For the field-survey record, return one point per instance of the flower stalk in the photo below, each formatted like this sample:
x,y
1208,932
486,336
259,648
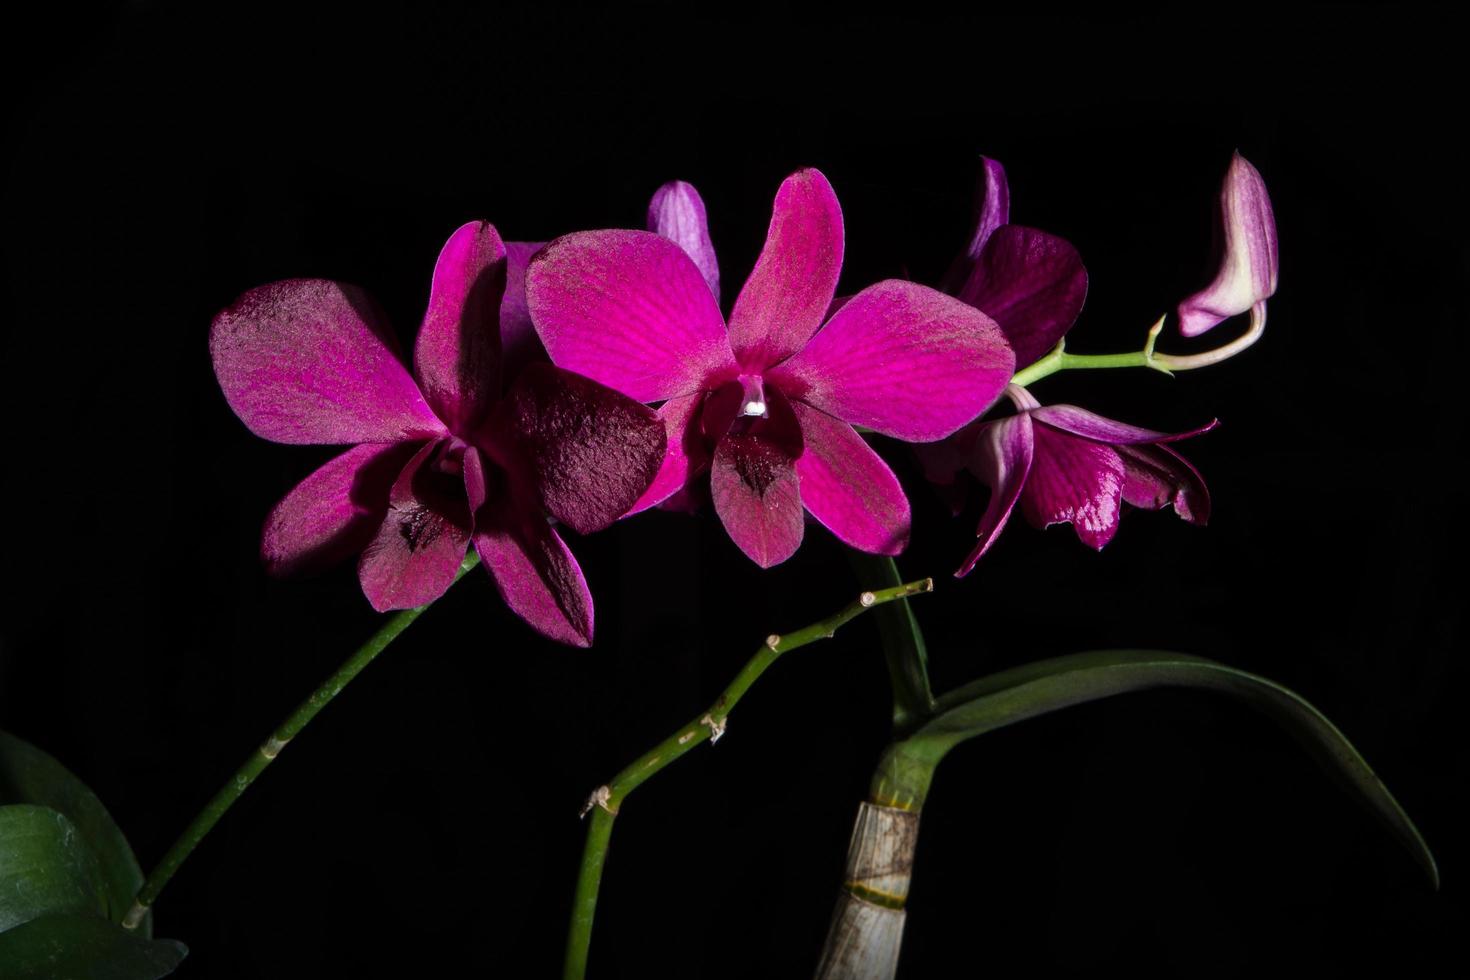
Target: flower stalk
x,y
606,800
263,756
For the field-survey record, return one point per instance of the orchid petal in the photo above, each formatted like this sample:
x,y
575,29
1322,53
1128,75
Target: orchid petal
x,y
677,213
535,572
848,487
1157,475
519,344
628,309
312,361
1089,425
685,453
457,354
786,297
1004,451
590,451
1250,262
992,209
333,513
1032,284
754,484
1074,480
416,553
903,359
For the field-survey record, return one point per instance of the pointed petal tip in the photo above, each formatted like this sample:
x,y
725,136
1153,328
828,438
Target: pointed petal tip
x,y
1250,262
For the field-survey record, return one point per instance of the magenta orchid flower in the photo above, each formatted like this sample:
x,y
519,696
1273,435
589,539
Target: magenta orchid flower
x,y
767,405
1249,260
463,450
1065,464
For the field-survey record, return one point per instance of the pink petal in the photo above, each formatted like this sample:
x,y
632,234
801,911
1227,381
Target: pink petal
x,y
848,487
414,556
589,451
786,297
1074,480
312,361
1089,425
536,574
992,209
685,454
1003,458
1250,262
903,359
1032,284
519,344
754,484
334,512
457,355
677,213
1157,475
629,309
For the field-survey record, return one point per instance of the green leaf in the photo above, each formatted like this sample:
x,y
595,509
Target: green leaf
x,y
1036,689
28,775
902,640
44,866
61,946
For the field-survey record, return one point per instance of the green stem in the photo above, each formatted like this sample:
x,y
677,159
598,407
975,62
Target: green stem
x,y
1060,360
902,642
709,726
263,756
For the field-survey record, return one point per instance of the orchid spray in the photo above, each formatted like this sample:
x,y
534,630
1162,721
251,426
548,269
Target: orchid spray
x,y
576,383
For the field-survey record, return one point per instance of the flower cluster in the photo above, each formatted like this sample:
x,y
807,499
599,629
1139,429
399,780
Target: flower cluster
x,y
596,376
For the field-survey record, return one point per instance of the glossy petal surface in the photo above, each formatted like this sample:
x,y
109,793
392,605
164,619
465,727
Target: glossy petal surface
x,y
1074,480
1032,284
1156,476
846,486
1004,451
309,361
1090,425
677,213
992,209
902,359
628,309
415,554
1249,265
786,297
457,354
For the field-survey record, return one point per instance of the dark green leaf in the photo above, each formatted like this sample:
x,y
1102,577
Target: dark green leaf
x,y
1036,689
44,867
60,946
28,775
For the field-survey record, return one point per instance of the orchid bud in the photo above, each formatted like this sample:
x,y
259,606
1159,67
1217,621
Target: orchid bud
x,y
1248,269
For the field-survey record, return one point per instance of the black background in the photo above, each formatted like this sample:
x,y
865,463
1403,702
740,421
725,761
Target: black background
x,y
160,163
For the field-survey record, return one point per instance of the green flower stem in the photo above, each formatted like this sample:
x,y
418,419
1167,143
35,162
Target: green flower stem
x,y
1060,360
902,642
263,756
605,801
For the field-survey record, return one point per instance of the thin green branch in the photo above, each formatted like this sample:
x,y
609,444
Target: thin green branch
x,y
902,642
709,726
263,756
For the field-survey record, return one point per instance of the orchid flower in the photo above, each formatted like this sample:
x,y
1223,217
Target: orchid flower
x,y
768,404
1066,464
480,444
1249,261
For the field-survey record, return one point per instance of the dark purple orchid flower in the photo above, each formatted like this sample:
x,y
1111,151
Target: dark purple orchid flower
x,y
768,404
1065,464
1249,260
479,444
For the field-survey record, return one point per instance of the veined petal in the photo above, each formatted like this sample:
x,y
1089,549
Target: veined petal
x,y
754,484
903,359
415,554
786,297
1003,456
628,309
1156,475
312,361
457,354
519,344
992,209
1032,284
677,213
848,487
533,569
589,451
685,455
334,512
1089,425
1074,480
1250,262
